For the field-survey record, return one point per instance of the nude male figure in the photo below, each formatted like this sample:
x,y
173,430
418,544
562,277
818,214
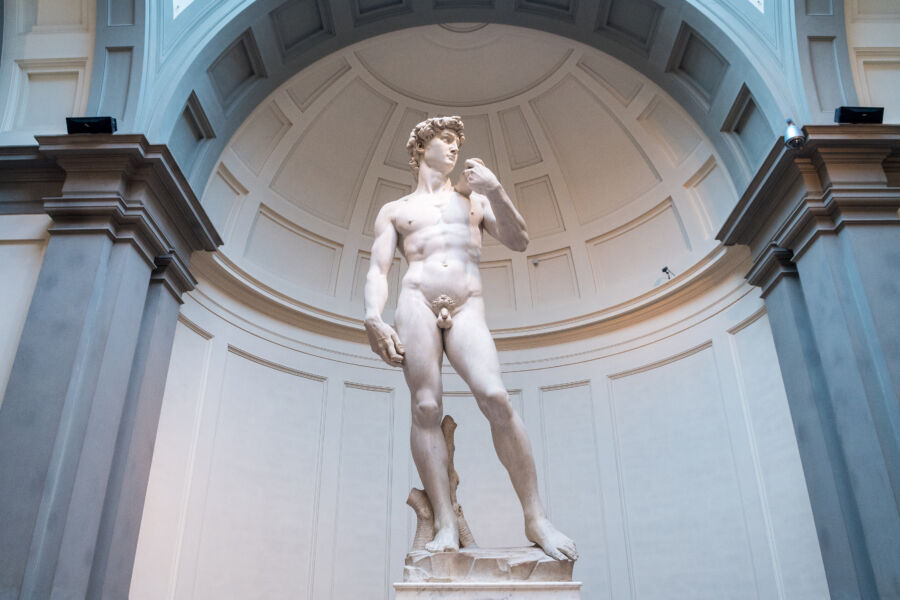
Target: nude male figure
x,y
441,309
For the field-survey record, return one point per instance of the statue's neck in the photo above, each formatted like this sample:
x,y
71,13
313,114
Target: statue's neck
x,y
431,181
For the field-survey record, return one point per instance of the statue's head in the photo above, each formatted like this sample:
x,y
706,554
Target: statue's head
x,y
424,132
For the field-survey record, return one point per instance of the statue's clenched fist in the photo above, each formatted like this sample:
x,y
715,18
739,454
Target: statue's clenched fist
x,y
481,180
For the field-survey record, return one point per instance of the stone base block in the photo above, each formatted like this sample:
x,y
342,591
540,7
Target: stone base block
x,y
505,590
485,565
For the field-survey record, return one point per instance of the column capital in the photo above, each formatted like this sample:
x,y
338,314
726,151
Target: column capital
x,y
843,175
774,263
132,191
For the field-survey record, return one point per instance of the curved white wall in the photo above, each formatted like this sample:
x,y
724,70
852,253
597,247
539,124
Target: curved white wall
x,y
663,444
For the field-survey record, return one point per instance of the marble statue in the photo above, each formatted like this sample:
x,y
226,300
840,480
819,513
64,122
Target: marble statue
x,y
438,229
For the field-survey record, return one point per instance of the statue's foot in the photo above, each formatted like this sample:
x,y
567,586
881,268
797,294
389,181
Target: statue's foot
x,y
554,543
446,540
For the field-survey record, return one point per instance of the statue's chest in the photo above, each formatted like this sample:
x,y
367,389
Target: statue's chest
x,y
420,213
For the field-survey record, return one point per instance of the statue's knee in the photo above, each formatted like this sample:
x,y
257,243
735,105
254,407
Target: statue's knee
x,y
496,407
427,411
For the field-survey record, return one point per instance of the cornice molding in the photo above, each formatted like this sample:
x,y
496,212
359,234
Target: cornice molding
x,y
773,265
128,189
844,175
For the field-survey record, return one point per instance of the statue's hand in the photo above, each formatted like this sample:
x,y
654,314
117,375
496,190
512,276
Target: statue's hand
x,y
481,179
385,342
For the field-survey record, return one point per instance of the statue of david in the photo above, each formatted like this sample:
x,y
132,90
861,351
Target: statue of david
x,y
438,229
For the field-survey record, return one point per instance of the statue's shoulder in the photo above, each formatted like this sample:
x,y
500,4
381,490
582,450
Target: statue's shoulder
x,y
391,207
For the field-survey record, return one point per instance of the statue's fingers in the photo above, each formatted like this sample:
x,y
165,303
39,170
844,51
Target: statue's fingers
x,y
398,345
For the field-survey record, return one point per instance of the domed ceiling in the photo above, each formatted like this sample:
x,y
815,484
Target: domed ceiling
x,y
613,178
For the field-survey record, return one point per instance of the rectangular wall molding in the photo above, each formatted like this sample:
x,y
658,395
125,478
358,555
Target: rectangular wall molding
x,y
116,80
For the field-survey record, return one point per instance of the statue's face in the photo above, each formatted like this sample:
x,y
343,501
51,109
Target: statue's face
x,y
441,151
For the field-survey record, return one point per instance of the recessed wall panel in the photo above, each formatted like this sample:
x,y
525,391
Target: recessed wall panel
x,y
236,69
49,98
712,196
553,279
520,146
573,479
882,84
362,537
259,136
685,525
537,203
625,265
258,530
698,63
633,21
676,135
310,84
116,77
222,198
602,181
620,80
322,172
121,12
299,24
499,286
823,58
292,253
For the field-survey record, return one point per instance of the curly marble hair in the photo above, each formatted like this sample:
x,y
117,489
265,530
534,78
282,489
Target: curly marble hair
x,y
426,130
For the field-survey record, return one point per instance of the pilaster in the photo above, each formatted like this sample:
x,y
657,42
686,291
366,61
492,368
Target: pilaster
x,y
80,412
822,224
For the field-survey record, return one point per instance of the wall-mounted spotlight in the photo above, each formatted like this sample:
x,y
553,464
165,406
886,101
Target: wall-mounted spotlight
x,y
794,136
668,272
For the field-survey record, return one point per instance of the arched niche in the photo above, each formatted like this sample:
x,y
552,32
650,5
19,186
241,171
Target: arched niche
x,y
615,179
193,79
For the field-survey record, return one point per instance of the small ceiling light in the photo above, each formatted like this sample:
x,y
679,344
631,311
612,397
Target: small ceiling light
x,y
794,136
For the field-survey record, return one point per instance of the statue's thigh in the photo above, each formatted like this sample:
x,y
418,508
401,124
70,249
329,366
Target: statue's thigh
x,y
423,346
472,353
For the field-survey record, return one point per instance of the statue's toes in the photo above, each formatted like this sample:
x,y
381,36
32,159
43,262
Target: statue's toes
x,y
570,551
554,553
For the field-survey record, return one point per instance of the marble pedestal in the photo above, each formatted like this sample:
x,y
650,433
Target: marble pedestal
x,y
487,574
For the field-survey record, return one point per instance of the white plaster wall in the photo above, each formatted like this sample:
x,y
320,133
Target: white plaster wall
x,y
873,37
663,445
23,239
46,64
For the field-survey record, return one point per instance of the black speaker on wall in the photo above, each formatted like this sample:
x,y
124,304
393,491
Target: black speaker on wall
x,y
859,114
91,124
